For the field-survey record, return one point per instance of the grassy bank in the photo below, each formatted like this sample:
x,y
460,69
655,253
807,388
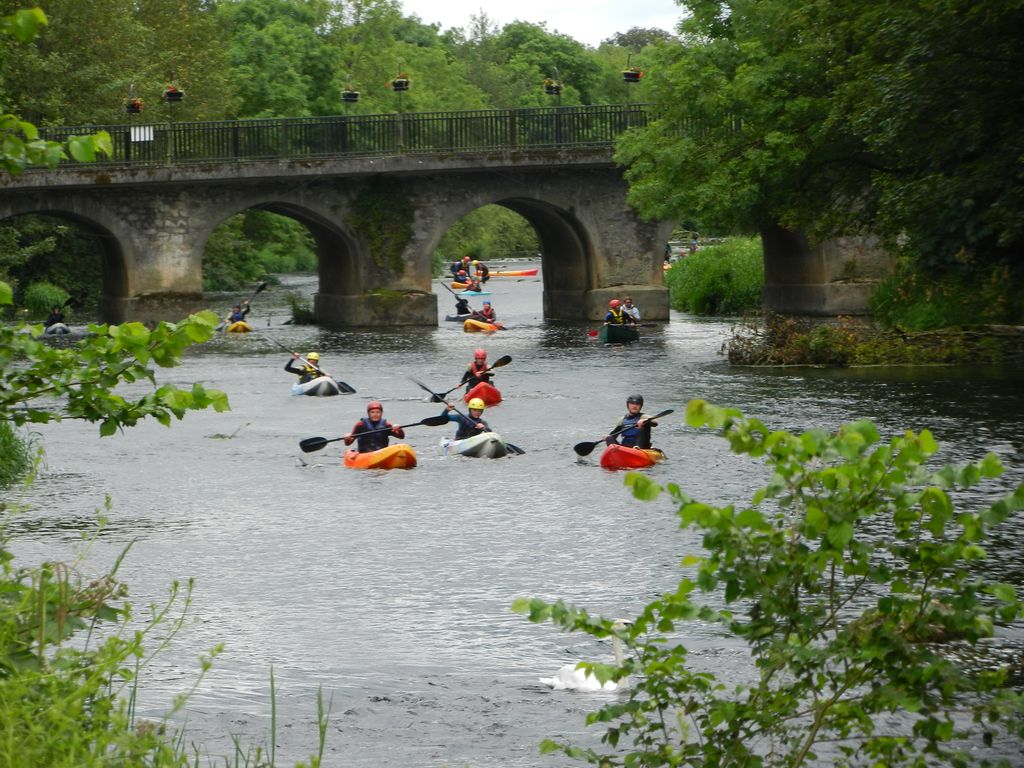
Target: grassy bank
x,y
722,279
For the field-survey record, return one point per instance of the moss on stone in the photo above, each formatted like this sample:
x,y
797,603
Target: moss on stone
x,y
382,214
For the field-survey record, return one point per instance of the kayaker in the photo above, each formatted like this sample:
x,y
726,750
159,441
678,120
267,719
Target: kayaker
x,y
631,309
372,431
635,426
454,268
309,370
486,313
468,283
477,370
470,425
238,313
616,315
55,322
483,272
462,306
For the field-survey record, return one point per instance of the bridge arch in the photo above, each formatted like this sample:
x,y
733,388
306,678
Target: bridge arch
x,y
108,235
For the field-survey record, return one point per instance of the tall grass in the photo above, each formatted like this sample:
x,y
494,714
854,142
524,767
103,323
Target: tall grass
x,y
725,279
15,459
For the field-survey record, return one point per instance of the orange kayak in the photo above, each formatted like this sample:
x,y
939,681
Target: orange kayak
x,y
397,456
617,456
514,273
486,392
479,326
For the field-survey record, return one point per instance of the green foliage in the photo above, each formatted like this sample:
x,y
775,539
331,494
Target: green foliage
x,y
845,577
808,115
252,244
724,279
14,456
920,299
490,233
301,309
41,297
40,383
383,215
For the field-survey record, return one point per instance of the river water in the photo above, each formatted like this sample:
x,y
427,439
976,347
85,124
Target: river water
x,y
391,591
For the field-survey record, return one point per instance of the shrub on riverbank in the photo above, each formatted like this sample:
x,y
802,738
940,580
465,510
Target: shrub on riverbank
x,y
850,341
725,279
14,456
845,580
919,301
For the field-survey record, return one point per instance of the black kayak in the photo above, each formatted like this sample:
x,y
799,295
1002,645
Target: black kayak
x,y
458,318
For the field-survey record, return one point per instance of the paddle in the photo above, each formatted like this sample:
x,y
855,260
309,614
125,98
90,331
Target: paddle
x,y
512,448
345,388
587,448
259,289
311,444
439,398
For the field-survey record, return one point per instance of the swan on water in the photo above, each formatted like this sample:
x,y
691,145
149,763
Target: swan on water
x,y
570,677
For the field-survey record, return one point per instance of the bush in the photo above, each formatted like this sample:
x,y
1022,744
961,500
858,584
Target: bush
x,y
846,578
40,298
921,301
726,279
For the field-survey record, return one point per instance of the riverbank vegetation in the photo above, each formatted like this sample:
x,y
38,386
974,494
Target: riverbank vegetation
x,y
850,581
725,278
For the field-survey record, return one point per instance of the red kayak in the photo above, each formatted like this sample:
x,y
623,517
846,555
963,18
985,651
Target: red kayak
x,y
490,395
617,456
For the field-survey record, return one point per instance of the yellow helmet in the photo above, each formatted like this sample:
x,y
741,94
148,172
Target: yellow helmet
x,y
477,403
475,262
313,356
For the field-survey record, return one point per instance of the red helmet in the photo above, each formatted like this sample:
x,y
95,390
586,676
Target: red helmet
x,y
613,303
375,404
479,353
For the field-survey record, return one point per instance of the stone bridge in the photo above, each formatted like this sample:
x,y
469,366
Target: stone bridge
x,y
375,221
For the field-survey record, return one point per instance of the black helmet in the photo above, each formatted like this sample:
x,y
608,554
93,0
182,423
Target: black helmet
x,y
638,399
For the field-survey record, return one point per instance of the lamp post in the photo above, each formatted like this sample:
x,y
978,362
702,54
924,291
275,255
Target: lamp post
x,y
132,106
172,95
630,75
400,84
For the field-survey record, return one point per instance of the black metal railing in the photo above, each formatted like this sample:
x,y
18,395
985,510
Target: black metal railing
x,y
362,135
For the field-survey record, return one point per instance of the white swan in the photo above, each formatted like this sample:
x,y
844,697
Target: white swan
x,y
571,677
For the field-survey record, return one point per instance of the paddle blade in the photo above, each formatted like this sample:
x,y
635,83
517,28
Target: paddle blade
x,y
514,449
311,444
585,449
262,287
345,388
592,332
435,421
434,397
503,360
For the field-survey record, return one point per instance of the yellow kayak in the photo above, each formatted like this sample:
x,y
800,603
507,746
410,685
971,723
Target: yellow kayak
x,y
240,327
397,456
479,326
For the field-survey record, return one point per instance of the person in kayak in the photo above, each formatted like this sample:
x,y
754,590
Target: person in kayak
x,y
462,306
468,283
483,272
631,309
477,370
470,425
616,315
485,314
55,322
309,371
635,426
238,313
364,434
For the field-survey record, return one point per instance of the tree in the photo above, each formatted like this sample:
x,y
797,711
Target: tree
x,y
846,578
637,38
841,117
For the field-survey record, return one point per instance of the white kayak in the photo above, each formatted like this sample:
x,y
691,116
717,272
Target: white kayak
x,y
322,386
488,445
57,329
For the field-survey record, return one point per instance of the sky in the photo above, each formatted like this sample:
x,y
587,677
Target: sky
x,y
589,22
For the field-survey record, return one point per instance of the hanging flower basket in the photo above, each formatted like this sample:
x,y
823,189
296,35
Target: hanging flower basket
x,y
552,87
632,75
400,83
350,97
133,106
173,94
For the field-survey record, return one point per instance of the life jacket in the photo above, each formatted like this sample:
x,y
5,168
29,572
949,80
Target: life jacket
x,y
617,316
467,427
487,313
308,374
236,317
477,371
375,441
633,436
